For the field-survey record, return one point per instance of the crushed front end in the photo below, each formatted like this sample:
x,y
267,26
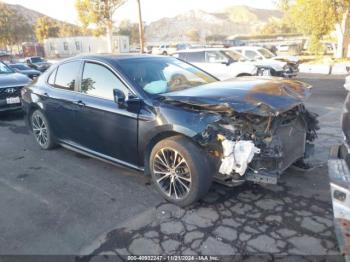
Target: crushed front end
x,y
259,148
261,126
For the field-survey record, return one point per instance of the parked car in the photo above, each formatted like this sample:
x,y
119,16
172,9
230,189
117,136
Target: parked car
x,y
171,120
339,178
218,63
259,53
164,49
265,67
24,69
11,84
37,63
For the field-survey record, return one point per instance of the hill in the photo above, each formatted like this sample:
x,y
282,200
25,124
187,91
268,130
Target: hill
x,y
233,20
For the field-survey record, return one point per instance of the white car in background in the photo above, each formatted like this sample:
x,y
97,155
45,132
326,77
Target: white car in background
x,y
257,53
217,62
164,49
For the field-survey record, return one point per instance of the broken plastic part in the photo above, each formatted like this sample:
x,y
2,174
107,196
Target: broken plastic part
x,y
237,156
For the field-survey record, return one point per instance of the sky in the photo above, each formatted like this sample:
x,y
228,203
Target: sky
x,y
152,10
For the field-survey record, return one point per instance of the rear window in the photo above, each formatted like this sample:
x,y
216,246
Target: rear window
x,y
66,75
193,57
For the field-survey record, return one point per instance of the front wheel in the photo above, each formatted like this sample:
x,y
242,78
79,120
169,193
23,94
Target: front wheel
x,y
180,170
41,130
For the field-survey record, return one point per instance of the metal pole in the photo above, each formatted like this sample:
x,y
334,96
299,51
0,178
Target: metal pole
x,y
140,28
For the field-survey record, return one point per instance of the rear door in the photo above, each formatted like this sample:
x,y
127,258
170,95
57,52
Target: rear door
x,y
104,127
60,101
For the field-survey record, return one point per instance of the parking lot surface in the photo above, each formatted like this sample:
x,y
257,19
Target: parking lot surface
x,y
60,202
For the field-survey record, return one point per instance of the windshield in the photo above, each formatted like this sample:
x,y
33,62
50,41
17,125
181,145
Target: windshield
x,y
163,75
266,53
37,59
235,56
20,67
4,69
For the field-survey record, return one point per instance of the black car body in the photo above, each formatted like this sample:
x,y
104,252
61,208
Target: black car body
x,y
159,111
37,63
11,84
26,70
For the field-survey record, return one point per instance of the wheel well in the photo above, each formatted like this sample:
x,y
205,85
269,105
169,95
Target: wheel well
x,y
152,143
244,74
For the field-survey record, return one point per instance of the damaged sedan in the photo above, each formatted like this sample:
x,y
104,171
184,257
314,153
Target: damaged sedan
x,y
169,119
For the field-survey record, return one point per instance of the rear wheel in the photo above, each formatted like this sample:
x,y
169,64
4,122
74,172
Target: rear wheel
x,y
41,130
180,170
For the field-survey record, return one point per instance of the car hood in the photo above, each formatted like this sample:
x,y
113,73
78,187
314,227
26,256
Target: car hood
x,y
259,96
15,79
275,64
287,58
30,71
42,64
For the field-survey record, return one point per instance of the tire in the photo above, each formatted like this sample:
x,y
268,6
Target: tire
x,y
194,170
41,130
164,53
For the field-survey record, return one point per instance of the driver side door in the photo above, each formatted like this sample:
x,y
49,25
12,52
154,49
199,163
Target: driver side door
x,y
106,129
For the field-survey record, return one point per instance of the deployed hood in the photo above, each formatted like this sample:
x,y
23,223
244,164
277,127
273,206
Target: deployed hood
x,y
275,64
15,79
259,96
287,58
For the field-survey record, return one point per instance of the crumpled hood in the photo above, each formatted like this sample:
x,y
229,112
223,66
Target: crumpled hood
x,y
275,64
259,96
287,58
15,79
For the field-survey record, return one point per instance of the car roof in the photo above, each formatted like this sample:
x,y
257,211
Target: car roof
x,y
203,49
112,57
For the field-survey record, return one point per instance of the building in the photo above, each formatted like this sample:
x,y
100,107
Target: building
x,y
70,46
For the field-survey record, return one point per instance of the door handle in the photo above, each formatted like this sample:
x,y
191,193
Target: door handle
x,y
79,103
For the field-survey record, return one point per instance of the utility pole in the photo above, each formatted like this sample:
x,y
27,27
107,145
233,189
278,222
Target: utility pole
x,y
140,28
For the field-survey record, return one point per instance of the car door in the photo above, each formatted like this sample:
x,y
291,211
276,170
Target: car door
x,y
105,127
216,63
60,100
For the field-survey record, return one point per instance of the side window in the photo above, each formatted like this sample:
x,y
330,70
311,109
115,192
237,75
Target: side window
x,y
99,81
216,57
195,57
250,54
66,75
182,56
51,79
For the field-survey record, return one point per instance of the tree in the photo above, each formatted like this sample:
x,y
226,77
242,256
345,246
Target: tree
x,y
342,26
193,35
98,13
45,28
277,26
318,18
130,29
314,18
14,29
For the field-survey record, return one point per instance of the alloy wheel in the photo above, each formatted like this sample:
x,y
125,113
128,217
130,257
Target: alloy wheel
x,y
39,129
172,173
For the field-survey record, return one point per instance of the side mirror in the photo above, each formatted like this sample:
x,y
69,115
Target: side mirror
x,y
119,97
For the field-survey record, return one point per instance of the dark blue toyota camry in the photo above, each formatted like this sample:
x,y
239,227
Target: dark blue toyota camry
x,y
171,120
